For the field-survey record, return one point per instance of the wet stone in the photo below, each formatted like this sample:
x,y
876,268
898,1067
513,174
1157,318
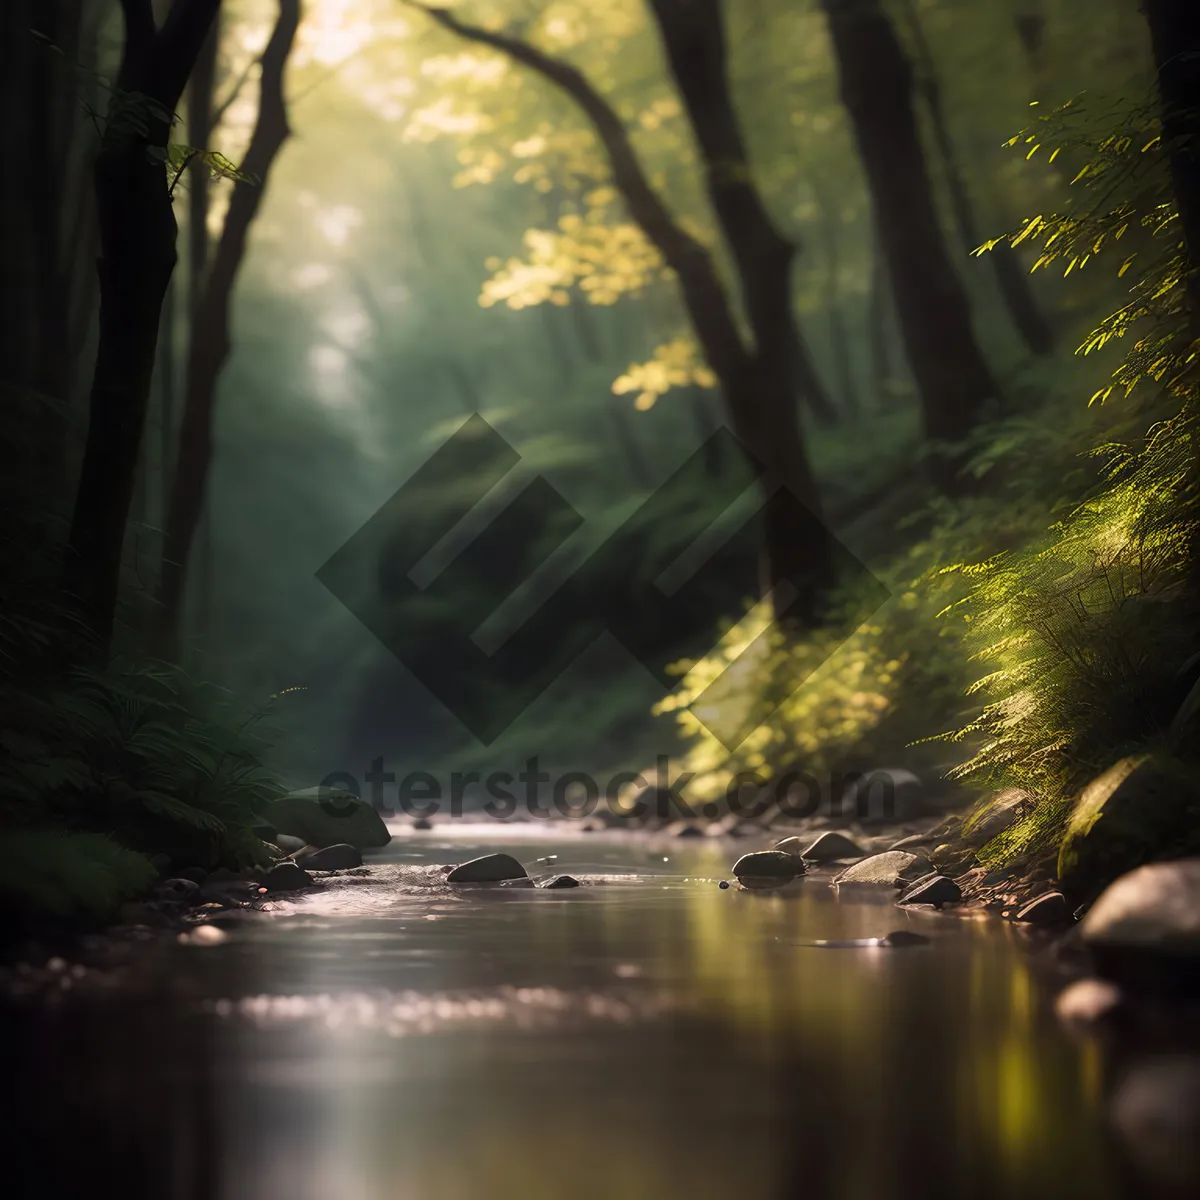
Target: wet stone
x,y
489,868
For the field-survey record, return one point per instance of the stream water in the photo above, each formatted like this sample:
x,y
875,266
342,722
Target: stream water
x,y
649,1035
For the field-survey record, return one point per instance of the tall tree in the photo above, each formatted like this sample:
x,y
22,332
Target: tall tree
x,y
934,311
761,374
211,340
1012,280
137,236
47,222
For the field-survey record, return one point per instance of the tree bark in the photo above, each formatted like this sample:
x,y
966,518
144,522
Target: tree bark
x,y
693,36
211,341
46,227
1175,37
137,233
759,381
879,326
1012,280
877,88
839,339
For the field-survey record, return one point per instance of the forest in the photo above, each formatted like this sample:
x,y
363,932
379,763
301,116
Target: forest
x,y
933,264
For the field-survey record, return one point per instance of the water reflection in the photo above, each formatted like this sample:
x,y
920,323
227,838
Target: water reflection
x,y
647,1036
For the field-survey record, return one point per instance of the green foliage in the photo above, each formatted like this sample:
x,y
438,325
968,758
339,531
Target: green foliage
x,y
70,874
139,751
102,767
1088,632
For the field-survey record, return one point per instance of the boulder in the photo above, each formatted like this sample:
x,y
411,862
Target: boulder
x,y
1145,928
791,845
331,858
831,847
490,868
289,844
422,823
327,817
1087,1002
286,877
931,889
562,881
196,874
1142,808
684,829
768,864
179,889
885,794
1156,1113
1050,908
890,869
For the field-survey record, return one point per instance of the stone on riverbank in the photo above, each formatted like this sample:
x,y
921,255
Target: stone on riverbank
x,y
890,869
331,858
1050,908
185,891
774,865
562,881
1145,928
831,847
1156,1113
1087,1002
286,877
327,817
931,889
490,868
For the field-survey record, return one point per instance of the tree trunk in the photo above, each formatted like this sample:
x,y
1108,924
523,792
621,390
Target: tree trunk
x,y
879,326
1011,278
211,341
46,226
934,311
839,339
200,131
137,234
760,381
1175,37
693,37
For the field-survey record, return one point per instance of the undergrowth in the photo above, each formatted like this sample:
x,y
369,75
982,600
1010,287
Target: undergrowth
x,y
1045,626
107,771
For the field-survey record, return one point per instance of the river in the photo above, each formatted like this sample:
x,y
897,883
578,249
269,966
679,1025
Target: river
x,y
648,1035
